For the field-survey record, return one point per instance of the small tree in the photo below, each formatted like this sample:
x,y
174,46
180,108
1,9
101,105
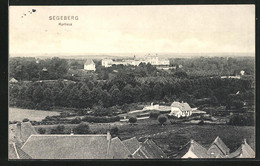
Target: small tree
x,y
82,128
114,131
26,120
154,114
77,120
42,130
58,130
132,120
162,119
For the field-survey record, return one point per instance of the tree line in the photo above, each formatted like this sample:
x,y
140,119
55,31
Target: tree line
x,y
125,88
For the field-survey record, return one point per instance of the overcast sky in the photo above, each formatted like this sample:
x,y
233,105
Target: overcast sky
x,y
132,29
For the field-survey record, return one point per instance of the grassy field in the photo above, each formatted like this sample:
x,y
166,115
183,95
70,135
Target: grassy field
x,y
18,114
171,137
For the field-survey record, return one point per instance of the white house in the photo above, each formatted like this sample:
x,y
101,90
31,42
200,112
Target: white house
x,y
13,80
107,62
180,109
89,65
242,72
152,107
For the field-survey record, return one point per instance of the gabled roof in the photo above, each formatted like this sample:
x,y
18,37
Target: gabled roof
x,y
20,132
89,62
118,150
132,144
181,106
149,150
12,152
195,148
74,147
219,156
244,151
21,153
66,146
221,145
13,80
15,152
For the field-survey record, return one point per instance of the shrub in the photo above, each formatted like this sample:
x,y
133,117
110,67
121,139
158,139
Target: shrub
x,y
114,131
64,114
77,120
97,119
154,114
58,130
162,119
26,120
82,128
132,120
42,130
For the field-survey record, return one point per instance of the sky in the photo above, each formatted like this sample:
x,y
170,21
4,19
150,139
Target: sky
x,y
132,29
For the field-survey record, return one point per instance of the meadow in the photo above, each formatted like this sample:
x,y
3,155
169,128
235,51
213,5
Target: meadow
x,y
18,114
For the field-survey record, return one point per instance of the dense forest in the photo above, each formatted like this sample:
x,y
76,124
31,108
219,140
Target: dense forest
x,y
118,85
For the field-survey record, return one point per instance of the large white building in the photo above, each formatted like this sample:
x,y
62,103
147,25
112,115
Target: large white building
x,y
180,109
89,65
152,59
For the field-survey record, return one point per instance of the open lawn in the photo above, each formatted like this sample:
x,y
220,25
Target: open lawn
x,y
18,114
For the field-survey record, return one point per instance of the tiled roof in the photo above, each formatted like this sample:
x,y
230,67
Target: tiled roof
x,y
244,151
221,145
12,152
66,146
74,147
132,144
21,153
20,133
219,156
118,150
15,152
149,150
181,106
89,62
195,148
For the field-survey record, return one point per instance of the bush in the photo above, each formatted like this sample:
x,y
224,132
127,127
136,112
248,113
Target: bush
x,y
77,120
132,120
41,130
64,114
97,119
58,130
162,119
82,128
154,114
114,131
26,120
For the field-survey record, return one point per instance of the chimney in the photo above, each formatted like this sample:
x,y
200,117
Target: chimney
x,y
71,132
19,131
108,141
244,141
108,135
